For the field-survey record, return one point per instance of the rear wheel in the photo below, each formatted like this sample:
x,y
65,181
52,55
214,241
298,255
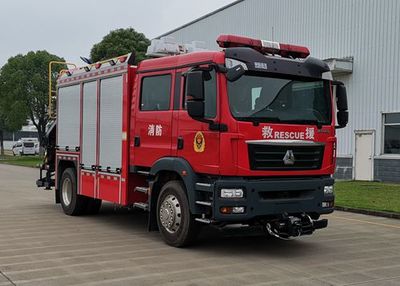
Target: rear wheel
x,y
71,202
175,222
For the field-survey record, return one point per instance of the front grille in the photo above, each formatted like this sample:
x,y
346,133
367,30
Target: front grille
x,y
271,157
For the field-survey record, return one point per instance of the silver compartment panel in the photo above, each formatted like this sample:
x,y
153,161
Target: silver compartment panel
x,y
68,117
111,123
89,118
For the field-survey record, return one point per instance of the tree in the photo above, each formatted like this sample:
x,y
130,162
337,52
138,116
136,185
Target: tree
x,y
13,114
120,42
24,79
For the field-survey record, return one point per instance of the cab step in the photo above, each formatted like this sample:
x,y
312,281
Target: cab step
x,y
144,190
204,203
143,206
203,220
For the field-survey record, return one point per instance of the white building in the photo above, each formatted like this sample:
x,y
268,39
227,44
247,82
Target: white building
x,y
360,39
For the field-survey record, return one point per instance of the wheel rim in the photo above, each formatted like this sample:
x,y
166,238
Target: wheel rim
x,y
170,214
66,191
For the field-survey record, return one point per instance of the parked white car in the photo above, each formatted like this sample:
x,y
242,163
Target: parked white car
x,y
24,148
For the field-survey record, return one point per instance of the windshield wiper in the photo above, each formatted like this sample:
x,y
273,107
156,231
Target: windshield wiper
x,y
306,121
256,120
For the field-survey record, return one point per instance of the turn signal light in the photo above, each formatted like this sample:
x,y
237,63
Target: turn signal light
x,y
225,210
232,210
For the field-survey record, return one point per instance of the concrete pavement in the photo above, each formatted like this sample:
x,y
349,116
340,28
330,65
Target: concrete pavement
x,y
39,245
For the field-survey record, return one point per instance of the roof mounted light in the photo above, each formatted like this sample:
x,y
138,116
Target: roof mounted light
x,y
265,47
167,46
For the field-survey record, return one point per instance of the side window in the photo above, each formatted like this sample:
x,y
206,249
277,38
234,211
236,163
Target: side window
x,y
210,95
155,93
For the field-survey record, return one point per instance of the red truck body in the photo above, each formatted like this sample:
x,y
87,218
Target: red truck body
x,y
127,149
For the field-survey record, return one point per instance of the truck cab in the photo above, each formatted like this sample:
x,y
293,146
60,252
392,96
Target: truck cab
x,y
252,127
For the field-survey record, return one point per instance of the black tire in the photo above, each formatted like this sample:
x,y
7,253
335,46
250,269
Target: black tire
x,y
74,204
93,206
188,228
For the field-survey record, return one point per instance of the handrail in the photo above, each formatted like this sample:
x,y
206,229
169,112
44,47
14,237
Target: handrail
x,y
50,107
115,59
61,72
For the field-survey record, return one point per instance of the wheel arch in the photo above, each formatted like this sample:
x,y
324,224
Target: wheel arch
x,y
167,169
62,165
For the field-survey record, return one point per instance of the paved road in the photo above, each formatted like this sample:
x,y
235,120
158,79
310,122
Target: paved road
x,y
41,246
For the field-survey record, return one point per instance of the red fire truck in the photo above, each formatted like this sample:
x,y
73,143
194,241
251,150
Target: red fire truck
x,y
244,135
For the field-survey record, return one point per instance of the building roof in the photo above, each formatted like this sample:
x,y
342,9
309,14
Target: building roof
x,y
201,18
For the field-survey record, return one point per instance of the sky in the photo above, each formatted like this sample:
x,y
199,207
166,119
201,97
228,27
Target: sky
x,y
70,28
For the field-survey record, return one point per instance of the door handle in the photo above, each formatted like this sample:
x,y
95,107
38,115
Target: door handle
x,y
180,143
137,141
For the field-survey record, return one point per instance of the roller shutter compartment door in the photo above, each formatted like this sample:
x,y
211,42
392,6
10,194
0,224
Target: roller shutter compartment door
x,y
111,96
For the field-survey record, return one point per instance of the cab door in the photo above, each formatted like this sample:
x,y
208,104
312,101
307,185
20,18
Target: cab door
x,y
196,143
153,118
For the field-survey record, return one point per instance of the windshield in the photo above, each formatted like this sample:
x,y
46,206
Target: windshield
x,y
268,99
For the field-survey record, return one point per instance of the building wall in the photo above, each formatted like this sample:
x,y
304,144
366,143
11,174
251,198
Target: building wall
x,y
367,30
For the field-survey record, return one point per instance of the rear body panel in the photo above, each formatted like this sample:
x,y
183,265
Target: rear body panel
x,y
100,145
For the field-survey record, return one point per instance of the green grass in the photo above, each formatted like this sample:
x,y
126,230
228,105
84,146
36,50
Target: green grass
x,y
368,196
27,161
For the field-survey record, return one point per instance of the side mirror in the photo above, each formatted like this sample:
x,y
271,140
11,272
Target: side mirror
x,y
342,107
341,97
195,85
195,109
342,118
235,73
195,94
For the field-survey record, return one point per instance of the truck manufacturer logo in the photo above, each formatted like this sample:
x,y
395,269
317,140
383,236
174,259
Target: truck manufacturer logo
x,y
267,132
199,143
289,159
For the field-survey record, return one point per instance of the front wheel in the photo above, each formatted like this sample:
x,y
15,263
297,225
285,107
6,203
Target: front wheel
x,y
71,202
177,225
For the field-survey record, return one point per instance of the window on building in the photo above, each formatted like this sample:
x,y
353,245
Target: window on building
x,y
391,133
155,94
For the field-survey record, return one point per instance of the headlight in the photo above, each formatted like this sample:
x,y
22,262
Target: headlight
x,y
328,190
232,193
